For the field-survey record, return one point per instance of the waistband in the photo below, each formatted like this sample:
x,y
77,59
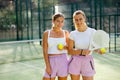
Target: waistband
x,y
81,55
58,55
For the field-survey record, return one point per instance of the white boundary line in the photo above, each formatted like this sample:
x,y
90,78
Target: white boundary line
x,y
26,66
20,41
29,65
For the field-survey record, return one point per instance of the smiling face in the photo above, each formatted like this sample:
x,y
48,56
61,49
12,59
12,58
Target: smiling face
x,y
79,20
58,22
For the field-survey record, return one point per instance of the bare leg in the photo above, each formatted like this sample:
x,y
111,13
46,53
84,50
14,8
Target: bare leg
x,y
44,78
62,78
75,77
87,78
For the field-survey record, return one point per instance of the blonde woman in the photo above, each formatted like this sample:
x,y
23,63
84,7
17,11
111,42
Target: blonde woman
x,y
81,63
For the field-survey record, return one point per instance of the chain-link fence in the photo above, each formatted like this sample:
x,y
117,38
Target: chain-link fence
x,y
28,19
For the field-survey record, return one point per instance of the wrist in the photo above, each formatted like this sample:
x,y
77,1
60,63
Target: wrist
x,y
81,51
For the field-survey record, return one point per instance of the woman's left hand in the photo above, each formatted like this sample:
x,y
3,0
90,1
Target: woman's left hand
x,y
98,51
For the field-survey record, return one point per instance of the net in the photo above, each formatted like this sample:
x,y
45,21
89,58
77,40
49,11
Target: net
x,y
15,51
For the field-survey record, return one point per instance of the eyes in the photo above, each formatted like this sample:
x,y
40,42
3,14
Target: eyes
x,y
79,19
61,21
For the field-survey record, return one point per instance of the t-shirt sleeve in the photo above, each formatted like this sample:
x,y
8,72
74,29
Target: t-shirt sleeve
x,y
94,30
71,36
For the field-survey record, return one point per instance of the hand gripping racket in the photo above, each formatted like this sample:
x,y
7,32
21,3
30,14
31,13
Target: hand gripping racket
x,y
99,39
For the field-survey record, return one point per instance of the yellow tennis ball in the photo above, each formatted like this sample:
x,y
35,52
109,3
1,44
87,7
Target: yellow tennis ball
x,y
103,50
60,46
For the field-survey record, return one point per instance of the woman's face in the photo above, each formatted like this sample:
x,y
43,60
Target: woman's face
x,y
79,21
59,22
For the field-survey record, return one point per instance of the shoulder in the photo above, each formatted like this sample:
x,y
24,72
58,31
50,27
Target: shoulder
x,y
91,29
73,32
66,32
72,35
46,33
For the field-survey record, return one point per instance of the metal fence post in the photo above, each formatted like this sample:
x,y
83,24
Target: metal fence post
x,y
31,18
27,20
39,19
16,10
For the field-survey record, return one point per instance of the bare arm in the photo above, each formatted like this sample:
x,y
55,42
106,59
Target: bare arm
x,y
45,51
71,49
67,35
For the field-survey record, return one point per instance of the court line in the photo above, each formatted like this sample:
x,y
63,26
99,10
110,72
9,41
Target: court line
x,y
34,67
20,41
17,70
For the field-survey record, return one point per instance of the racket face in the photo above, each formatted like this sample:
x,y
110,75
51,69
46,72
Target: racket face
x,y
100,39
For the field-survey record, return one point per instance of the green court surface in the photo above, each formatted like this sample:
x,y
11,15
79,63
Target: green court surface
x,y
107,66
25,62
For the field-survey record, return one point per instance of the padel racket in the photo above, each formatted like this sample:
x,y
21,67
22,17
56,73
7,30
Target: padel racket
x,y
99,39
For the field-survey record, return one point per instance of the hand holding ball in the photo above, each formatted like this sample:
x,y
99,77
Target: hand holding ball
x,y
60,46
103,50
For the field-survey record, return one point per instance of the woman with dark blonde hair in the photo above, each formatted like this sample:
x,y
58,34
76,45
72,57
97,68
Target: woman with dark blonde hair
x,y
55,59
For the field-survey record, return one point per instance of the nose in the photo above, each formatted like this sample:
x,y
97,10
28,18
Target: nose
x,y
79,22
60,22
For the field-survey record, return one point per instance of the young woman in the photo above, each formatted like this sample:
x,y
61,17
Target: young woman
x,y
81,63
55,58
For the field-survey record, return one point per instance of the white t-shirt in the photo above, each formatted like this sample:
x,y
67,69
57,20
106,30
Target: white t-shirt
x,y
82,39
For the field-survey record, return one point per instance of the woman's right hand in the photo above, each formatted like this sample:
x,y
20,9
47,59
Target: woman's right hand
x,y
48,70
